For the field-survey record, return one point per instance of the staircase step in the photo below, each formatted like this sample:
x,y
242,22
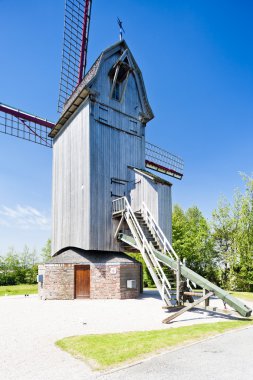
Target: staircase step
x,y
169,297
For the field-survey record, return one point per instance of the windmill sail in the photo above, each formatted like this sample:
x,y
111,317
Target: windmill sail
x,y
75,43
163,162
23,125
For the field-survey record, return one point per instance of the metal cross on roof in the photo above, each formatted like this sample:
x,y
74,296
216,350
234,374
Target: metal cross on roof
x,y
121,29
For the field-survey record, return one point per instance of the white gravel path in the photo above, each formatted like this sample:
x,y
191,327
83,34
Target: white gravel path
x,y
29,327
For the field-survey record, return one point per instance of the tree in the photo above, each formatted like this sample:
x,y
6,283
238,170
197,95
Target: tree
x,y
224,225
233,236
9,265
243,237
46,252
18,268
179,232
192,240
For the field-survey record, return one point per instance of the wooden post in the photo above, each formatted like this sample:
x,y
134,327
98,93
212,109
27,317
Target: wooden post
x,y
178,279
207,300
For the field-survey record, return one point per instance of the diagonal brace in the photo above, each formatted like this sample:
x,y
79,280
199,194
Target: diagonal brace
x,y
188,307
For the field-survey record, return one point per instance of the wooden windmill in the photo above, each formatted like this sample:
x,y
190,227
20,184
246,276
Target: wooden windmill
x,y
99,150
105,200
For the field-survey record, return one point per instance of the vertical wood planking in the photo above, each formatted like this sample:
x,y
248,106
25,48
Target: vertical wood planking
x,y
71,183
92,152
157,197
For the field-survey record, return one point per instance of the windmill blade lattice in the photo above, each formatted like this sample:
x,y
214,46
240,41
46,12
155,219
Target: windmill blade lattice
x,y
75,43
23,125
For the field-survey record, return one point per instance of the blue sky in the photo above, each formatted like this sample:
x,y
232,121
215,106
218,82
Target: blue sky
x,y
197,61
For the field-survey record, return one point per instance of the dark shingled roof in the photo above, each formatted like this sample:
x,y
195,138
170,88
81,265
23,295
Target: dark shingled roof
x,y
72,255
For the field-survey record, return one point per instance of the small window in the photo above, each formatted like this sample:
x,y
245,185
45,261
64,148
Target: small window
x,y
119,74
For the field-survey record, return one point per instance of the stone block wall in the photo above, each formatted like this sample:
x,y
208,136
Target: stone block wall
x,y
106,281
58,281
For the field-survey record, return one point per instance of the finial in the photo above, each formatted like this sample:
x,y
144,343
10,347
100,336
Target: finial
x,y
121,29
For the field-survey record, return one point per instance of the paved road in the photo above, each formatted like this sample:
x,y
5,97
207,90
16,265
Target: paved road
x,y
228,357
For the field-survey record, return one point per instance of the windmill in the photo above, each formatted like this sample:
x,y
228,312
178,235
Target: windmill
x,y
105,201
24,125
74,90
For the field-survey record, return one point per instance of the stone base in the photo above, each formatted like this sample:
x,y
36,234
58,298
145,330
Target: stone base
x,y
109,275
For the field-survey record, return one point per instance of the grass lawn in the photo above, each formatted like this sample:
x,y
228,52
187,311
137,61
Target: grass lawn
x,y
247,296
108,350
244,295
13,290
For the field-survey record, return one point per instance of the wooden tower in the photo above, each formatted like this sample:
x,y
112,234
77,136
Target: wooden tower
x,y
99,155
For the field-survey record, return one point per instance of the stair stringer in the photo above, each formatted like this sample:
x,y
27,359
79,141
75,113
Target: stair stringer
x,y
122,208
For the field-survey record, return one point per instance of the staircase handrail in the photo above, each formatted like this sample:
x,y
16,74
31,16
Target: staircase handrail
x,y
122,205
164,242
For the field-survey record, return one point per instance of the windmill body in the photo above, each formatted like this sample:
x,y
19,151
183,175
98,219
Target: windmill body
x,y
99,155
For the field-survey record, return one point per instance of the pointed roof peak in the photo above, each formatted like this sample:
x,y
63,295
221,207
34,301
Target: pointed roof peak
x,y
84,87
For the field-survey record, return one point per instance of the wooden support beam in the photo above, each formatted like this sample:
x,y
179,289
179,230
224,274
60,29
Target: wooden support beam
x,y
188,307
207,303
125,86
178,279
194,294
114,80
119,226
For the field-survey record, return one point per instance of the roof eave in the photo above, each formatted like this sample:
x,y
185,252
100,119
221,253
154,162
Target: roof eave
x,y
80,97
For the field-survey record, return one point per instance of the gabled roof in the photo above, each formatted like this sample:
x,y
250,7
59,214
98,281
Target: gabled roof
x,y
83,90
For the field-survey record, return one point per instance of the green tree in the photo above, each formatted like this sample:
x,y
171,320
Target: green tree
x,y
9,265
179,232
243,237
46,251
18,268
224,226
233,236
192,240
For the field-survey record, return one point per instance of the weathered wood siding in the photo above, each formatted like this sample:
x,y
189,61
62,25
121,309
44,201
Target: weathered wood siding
x,y
117,140
112,151
92,155
131,103
71,183
157,197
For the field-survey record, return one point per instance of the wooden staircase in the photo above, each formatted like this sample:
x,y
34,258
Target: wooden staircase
x,y
138,231
136,235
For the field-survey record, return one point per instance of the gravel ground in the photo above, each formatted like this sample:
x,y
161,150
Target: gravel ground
x,y
29,327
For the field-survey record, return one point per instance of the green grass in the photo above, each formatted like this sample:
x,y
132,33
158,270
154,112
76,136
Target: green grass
x,y
13,290
107,350
244,295
247,296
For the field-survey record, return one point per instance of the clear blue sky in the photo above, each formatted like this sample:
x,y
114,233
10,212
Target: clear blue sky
x,y
197,61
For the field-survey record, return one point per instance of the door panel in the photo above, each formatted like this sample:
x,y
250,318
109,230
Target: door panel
x,y
82,281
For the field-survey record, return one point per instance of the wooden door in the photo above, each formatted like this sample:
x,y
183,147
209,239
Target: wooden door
x,y
82,281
